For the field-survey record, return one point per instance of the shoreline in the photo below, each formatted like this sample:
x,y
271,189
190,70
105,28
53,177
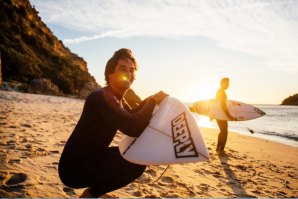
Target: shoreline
x,y
270,138
253,145
34,130
203,121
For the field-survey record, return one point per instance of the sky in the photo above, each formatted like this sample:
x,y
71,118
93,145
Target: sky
x,y
185,47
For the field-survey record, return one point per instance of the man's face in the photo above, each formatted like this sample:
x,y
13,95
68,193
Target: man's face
x,y
123,75
225,84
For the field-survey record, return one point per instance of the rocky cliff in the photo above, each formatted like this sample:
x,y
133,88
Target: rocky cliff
x,y
0,70
34,60
30,51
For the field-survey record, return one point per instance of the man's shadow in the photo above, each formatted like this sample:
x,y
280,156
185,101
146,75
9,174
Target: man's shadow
x,y
235,184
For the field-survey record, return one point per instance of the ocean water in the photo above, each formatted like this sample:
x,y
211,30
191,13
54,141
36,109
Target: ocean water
x,y
280,124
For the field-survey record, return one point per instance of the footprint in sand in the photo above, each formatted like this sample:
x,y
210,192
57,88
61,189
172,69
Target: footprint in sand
x,y
145,179
52,167
151,172
241,167
189,188
26,125
24,157
204,187
14,161
24,140
292,175
200,171
69,191
15,179
2,176
30,147
11,146
11,142
55,152
169,195
61,143
15,188
151,196
137,194
167,179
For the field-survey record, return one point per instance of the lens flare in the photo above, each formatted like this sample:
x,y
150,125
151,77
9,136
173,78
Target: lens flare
x,y
124,78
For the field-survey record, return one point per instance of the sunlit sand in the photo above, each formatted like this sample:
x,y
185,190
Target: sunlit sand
x,y
34,128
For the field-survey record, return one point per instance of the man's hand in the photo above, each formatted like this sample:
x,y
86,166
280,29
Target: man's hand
x,y
191,109
159,96
233,118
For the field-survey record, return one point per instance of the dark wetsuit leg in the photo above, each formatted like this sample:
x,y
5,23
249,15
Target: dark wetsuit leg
x,y
103,174
223,134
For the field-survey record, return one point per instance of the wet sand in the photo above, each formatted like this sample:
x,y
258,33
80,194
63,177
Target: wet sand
x,y
34,129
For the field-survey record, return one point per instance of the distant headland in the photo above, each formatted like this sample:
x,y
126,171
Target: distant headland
x,y
291,100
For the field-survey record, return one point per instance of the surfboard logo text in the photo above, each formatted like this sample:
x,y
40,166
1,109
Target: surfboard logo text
x,y
183,143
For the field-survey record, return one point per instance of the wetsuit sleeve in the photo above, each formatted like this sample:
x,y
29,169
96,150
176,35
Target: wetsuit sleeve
x,y
131,124
135,110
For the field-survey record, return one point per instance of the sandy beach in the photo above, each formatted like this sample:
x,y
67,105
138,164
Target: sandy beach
x,y
34,129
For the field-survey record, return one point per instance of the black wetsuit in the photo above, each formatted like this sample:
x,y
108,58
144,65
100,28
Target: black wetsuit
x,y
223,125
87,160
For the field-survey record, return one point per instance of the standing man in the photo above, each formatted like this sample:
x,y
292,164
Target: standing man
x,y
87,160
223,125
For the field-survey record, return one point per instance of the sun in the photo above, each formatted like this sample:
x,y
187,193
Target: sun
x,y
207,91
205,122
202,91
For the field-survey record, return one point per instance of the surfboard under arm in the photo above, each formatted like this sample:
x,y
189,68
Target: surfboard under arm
x,y
172,137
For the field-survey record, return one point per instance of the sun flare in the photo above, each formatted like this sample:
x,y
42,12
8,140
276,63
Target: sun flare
x,y
204,122
202,91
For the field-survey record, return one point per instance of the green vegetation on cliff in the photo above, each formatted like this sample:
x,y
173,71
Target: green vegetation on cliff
x,y
29,50
292,100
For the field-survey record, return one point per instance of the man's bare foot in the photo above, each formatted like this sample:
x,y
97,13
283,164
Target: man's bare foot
x,y
86,194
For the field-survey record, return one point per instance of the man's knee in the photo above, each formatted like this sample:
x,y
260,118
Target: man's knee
x,y
139,170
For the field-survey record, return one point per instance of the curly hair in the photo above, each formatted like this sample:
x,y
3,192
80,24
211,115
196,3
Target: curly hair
x,y
123,53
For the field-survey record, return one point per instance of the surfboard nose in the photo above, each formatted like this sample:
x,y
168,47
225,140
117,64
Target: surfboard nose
x,y
262,113
205,154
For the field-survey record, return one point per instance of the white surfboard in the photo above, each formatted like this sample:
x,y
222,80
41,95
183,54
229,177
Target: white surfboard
x,y
172,137
241,111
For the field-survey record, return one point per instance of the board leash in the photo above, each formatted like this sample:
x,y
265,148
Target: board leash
x,y
161,174
249,129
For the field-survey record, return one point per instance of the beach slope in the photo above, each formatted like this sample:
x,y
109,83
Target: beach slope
x,y
34,129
